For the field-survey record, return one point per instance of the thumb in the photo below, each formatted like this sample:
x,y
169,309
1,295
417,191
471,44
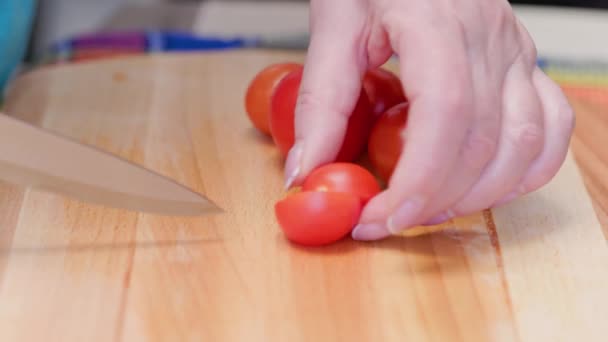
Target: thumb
x,y
329,90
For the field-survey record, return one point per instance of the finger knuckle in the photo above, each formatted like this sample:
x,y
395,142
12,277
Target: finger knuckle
x,y
531,49
457,102
527,138
540,178
566,118
309,103
479,148
501,16
527,53
500,20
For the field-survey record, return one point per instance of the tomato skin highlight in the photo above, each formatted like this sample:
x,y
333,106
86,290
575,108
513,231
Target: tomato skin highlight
x,y
282,118
383,89
316,218
259,93
385,143
343,177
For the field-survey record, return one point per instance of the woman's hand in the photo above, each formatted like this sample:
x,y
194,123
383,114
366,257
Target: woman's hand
x,y
485,124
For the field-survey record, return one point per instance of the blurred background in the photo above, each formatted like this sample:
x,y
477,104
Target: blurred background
x,y
28,28
60,19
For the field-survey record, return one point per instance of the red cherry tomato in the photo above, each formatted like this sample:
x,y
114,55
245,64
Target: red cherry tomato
x,y
315,218
385,143
383,89
329,205
283,112
343,177
259,93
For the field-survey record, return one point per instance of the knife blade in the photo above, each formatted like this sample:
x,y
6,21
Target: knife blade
x,y
35,157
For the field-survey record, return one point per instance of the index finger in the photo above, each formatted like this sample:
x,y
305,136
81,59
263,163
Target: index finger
x,y
329,89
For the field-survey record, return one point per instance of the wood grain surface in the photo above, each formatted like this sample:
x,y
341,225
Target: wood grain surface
x,y
533,270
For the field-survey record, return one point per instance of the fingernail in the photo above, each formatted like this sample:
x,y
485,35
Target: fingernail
x,y
369,231
292,166
405,216
291,177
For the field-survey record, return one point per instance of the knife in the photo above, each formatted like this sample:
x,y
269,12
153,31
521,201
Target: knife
x,y
34,157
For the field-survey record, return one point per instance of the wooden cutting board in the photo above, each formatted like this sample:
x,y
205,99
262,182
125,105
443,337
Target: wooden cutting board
x,y
534,270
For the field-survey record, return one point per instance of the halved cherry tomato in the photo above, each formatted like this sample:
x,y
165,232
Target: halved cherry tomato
x,y
315,218
385,143
343,177
282,116
383,89
329,204
260,90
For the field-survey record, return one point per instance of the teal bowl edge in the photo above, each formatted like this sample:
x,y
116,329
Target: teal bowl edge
x,y
16,17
